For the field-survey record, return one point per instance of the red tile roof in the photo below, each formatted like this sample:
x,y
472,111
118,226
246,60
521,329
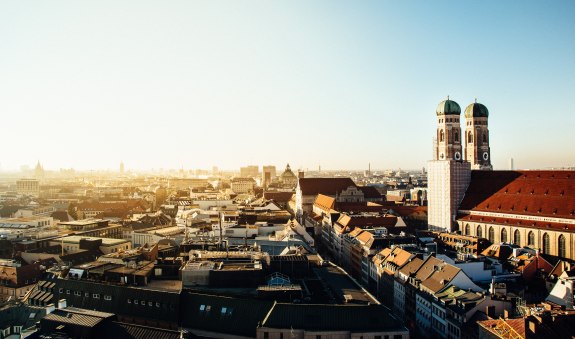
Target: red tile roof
x,y
324,202
538,193
326,186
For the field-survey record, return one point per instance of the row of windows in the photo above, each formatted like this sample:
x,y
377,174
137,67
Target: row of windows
x,y
143,303
86,294
546,241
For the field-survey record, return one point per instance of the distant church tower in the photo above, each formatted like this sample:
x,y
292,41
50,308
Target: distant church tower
x,y
448,175
477,137
39,171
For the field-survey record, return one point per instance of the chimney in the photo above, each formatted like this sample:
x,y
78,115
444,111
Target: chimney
x,y
50,308
62,303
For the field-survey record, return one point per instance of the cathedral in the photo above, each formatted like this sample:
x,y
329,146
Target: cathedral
x,y
465,195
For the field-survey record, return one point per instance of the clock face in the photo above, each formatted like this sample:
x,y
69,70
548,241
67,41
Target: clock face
x,y
485,156
457,156
441,156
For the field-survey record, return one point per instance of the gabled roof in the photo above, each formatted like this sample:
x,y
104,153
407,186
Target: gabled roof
x,y
538,193
370,192
411,267
326,186
324,202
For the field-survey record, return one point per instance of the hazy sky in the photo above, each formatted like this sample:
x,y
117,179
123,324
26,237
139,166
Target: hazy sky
x,y
165,84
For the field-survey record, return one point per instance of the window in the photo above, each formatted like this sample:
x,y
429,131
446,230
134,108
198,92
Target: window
x,y
491,235
266,335
108,297
504,235
202,307
467,229
61,290
150,303
479,232
441,136
77,293
136,302
67,291
456,136
469,138
531,239
129,301
484,138
561,250
546,244
87,294
158,304
96,296
517,237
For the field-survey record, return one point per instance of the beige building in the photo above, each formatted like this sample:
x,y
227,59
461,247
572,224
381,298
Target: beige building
x,y
106,245
28,187
243,185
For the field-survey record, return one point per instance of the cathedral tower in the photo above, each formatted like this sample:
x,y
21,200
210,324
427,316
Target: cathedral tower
x,y
448,137
476,137
448,174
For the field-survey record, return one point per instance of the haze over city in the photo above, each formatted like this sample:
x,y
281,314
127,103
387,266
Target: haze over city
x,y
195,84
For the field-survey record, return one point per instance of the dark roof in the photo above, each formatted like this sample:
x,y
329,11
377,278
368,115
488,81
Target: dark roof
x,y
331,318
537,193
326,186
61,215
77,317
226,315
370,192
278,196
120,330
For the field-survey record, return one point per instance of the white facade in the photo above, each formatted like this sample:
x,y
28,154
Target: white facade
x,y
447,182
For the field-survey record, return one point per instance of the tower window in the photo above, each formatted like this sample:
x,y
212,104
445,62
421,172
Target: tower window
x,y
484,138
441,136
469,138
456,136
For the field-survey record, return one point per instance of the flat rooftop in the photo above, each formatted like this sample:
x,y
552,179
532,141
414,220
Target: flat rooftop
x,y
75,239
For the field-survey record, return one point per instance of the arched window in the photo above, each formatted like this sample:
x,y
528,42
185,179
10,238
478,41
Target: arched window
x,y
484,138
561,250
441,136
531,239
456,136
517,238
504,235
479,232
491,235
467,229
546,244
469,138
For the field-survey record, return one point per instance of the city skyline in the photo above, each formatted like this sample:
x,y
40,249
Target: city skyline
x,y
198,84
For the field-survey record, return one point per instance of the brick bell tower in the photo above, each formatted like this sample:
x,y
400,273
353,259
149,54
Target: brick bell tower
x,y
448,137
476,137
448,173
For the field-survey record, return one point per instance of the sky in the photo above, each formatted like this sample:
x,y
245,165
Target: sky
x,y
337,84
